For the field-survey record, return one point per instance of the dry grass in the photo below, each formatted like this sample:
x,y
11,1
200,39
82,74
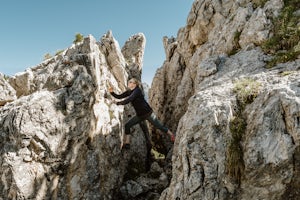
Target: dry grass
x,y
246,91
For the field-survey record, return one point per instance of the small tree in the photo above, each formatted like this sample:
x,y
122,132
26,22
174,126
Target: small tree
x,y
78,38
59,52
47,56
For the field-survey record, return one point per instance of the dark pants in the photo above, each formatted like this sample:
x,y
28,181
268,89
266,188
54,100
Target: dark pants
x,y
141,120
152,119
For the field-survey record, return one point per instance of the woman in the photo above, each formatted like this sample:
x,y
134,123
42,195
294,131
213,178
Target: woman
x,y
143,110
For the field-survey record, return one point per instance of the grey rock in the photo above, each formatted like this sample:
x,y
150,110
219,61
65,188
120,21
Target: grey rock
x,y
8,93
61,138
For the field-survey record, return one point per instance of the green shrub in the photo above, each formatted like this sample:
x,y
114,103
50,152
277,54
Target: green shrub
x,y
283,44
237,127
234,154
259,3
283,57
78,38
246,91
234,160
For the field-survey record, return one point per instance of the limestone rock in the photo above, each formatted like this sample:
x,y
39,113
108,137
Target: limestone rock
x,y
195,93
269,143
114,57
61,138
214,28
22,82
133,51
258,28
8,93
155,180
236,122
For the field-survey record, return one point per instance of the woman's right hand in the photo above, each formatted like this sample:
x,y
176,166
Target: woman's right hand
x,y
110,89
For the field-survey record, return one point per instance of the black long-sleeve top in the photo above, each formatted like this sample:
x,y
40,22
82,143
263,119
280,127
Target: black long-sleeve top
x,y
136,97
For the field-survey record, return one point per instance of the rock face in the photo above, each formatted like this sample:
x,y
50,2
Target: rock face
x,y
61,138
270,140
8,93
237,122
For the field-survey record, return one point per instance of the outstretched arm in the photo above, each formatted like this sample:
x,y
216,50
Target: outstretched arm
x,y
119,96
130,98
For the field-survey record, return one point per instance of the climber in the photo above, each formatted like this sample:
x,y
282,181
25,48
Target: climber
x,y
143,110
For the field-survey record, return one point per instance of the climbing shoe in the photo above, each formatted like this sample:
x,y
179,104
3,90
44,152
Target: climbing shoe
x,y
173,138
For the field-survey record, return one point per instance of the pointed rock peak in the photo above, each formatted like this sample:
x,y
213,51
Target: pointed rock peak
x,y
133,51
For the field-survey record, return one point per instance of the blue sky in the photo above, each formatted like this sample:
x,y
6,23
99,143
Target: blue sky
x,y
32,28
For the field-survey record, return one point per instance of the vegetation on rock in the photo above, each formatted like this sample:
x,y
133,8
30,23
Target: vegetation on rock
x,y
246,91
285,42
78,38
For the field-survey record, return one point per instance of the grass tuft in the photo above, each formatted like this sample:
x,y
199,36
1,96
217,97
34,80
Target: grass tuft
x,y
285,41
246,91
259,3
